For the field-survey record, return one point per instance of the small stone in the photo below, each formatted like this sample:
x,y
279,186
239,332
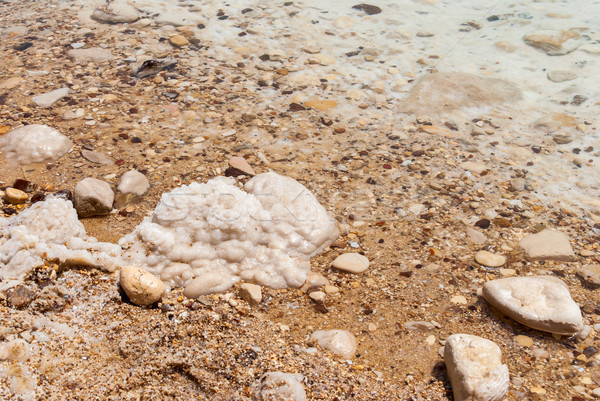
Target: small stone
x,y
320,104
553,42
95,54
547,245
537,390
475,368
251,293
458,300
419,325
19,296
179,40
93,197
281,386
351,263
507,272
596,392
473,167
314,281
524,341
15,196
562,139
368,9
561,75
540,302
133,182
48,99
587,253
476,236
317,296
331,289
489,259
241,165
340,342
96,157
517,185
114,13
142,287
590,273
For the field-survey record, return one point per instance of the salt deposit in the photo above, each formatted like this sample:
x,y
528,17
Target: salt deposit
x,y
206,237
49,230
281,386
340,342
34,144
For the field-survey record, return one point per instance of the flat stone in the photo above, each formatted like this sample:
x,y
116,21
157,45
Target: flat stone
x,y
241,165
251,293
590,273
96,157
561,75
540,302
10,83
15,196
142,287
48,99
179,40
524,341
93,197
474,167
419,325
95,54
319,104
489,259
547,245
553,122
133,182
475,368
476,236
554,42
368,9
351,263
115,12
317,296
340,342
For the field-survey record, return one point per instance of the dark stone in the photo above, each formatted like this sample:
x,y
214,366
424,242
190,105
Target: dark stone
x,y
368,9
296,107
23,46
590,351
25,186
65,194
493,18
483,223
37,197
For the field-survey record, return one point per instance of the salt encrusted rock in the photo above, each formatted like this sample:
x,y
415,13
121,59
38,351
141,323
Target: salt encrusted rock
x,y
281,386
208,283
133,182
547,245
15,196
340,342
590,273
142,288
115,12
489,259
251,293
48,99
34,144
553,42
475,368
540,302
93,197
240,164
351,263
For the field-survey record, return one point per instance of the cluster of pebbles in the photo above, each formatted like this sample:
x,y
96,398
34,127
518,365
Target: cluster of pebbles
x,y
462,270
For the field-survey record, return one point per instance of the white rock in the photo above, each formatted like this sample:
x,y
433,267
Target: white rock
x,y
34,144
48,99
251,293
547,245
115,12
93,197
133,182
95,54
590,273
489,259
317,296
279,386
340,342
313,281
540,302
142,288
351,263
475,368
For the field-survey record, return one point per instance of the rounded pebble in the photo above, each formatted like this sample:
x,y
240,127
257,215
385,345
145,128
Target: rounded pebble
x,y
142,288
351,263
489,259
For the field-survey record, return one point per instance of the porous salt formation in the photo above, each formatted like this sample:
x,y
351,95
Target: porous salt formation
x,y
206,237
34,144
49,231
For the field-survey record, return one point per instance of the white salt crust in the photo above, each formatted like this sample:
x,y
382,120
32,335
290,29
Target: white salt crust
x,y
206,237
34,144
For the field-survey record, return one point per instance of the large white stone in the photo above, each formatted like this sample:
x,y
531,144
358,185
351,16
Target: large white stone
x,y
351,263
48,99
547,245
340,342
540,302
93,197
475,368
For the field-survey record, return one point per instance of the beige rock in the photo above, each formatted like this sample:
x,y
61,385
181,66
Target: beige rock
x,y
240,164
561,75
351,263
474,167
251,293
314,281
179,40
340,342
142,288
553,42
10,83
489,259
15,196
590,273
524,341
317,296
93,197
475,368
540,302
547,245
